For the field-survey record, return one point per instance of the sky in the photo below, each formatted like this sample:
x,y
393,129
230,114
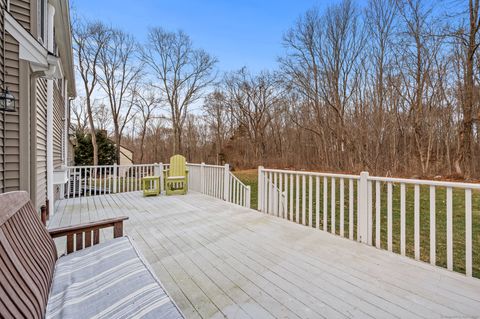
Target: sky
x,y
238,32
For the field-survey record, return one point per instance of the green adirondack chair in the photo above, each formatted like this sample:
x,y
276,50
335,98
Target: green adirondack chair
x,y
176,176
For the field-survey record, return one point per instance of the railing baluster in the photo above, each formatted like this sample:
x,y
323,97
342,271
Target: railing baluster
x,y
310,201
402,219
317,202
100,185
138,178
84,182
304,200
358,210
449,229
297,199
238,192
216,183
416,222
275,196
325,204
280,195
265,192
389,217
333,206
468,232
377,214
370,213
342,208
74,183
270,193
433,242
69,172
350,209
88,178
285,207
95,180
127,177
290,211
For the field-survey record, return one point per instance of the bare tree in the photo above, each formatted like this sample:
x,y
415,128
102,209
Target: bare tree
x,y
103,117
183,73
251,99
380,21
467,37
79,115
146,102
416,62
89,39
322,66
120,72
217,117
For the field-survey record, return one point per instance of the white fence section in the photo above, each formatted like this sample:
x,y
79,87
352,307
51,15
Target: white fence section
x,y
212,180
425,220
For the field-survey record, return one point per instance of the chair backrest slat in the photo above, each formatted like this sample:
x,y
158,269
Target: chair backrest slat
x,y
177,165
28,257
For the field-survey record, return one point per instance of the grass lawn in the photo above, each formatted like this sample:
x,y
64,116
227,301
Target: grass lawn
x,y
249,177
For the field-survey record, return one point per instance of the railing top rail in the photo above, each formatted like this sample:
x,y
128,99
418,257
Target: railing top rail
x,y
205,165
238,180
113,165
425,182
382,179
311,173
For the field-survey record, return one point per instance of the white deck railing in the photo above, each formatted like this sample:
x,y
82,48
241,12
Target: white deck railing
x,y
425,220
212,180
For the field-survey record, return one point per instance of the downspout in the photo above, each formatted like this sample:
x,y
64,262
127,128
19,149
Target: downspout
x,y
65,139
50,195
66,120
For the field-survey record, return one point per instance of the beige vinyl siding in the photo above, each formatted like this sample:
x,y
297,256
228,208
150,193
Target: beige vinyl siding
x,y
20,10
11,158
3,5
58,115
41,141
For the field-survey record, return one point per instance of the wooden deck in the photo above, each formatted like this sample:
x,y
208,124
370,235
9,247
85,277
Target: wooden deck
x,y
220,260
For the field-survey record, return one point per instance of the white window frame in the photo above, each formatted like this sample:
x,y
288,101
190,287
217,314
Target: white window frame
x,y
42,25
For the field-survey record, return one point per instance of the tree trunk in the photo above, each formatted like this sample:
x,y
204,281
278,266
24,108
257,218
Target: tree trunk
x,y
92,132
465,154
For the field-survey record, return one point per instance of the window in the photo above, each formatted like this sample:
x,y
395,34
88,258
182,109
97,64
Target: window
x,y
42,20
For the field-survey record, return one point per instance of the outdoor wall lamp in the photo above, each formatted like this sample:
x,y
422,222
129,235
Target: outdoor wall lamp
x,y
7,101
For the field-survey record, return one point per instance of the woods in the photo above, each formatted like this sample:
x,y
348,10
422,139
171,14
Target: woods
x,y
391,87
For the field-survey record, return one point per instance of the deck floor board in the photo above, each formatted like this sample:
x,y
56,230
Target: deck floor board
x,y
220,260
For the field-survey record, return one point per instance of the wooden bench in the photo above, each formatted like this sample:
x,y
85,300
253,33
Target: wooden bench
x,y
29,265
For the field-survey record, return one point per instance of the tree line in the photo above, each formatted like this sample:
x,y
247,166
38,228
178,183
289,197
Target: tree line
x,y
391,87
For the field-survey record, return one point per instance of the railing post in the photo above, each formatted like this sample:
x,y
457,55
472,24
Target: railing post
x,y
260,188
248,196
226,182
114,178
158,171
202,178
363,208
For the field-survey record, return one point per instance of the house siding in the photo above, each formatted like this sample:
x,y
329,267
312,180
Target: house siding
x,y
41,141
3,5
23,134
11,156
20,10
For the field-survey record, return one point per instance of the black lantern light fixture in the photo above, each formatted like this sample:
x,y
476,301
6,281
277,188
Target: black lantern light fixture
x,y
7,101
